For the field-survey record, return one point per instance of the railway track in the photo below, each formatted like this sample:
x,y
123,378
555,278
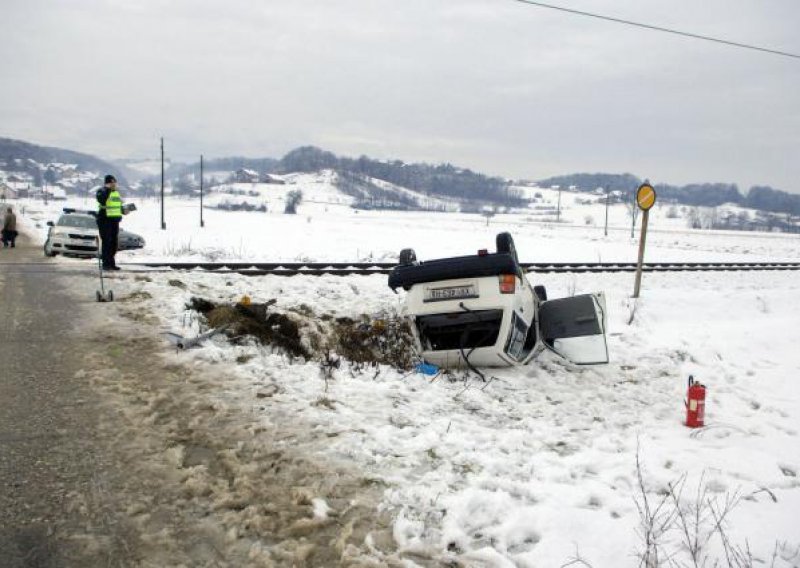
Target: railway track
x,y
370,268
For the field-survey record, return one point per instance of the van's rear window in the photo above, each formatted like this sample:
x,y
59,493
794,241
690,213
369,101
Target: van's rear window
x,y
461,330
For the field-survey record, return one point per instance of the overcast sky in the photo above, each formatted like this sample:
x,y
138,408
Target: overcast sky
x,y
494,85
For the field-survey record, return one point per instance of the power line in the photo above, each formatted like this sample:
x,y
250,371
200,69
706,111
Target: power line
x,y
659,29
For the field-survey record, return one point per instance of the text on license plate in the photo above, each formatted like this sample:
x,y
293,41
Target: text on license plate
x,y
450,293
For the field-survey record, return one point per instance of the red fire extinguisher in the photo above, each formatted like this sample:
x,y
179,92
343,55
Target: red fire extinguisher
x,y
695,404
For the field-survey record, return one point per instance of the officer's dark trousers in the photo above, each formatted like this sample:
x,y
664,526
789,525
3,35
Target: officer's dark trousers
x,y
9,238
109,234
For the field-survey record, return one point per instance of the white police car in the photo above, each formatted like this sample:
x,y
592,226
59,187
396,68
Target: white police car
x,y
481,311
75,234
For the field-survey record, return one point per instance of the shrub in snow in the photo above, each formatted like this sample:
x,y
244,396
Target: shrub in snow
x,y
382,341
293,199
683,526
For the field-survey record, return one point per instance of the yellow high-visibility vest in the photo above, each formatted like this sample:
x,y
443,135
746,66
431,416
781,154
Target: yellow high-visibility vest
x,y
113,205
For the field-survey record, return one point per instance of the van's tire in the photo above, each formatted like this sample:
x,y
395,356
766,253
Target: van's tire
x,y
407,256
540,292
48,252
505,244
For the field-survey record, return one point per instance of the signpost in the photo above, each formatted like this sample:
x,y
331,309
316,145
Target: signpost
x,y
645,199
163,223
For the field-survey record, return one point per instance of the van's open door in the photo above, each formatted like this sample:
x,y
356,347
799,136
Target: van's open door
x,y
575,328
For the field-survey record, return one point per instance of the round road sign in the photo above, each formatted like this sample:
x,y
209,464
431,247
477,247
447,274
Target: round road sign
x,y
645,196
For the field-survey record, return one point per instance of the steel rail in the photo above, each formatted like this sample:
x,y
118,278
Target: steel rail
x,y
371,268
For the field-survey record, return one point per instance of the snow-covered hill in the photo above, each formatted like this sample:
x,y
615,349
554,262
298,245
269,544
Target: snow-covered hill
x,y
321,191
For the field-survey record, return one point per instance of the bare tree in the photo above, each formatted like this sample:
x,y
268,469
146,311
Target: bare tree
x,y
693,219
633,211
710,217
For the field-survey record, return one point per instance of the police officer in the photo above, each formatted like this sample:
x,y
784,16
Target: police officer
x,y
109,214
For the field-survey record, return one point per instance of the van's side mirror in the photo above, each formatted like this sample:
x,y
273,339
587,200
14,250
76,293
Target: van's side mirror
x,y
50,224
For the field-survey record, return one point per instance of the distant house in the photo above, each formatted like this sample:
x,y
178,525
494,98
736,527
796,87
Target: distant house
x,y
20,188
57,194
243,175
267,178
7,192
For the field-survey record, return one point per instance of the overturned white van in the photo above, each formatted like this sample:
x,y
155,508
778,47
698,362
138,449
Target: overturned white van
x,y
482,311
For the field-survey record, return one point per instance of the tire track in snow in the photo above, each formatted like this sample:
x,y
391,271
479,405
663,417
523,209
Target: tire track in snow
x,y
212,485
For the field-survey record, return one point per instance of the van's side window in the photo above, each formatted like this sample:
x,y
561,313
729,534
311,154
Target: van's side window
x,y
518,345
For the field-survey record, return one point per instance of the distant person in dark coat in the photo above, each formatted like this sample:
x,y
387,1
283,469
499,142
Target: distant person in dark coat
x,y
10,229
109,214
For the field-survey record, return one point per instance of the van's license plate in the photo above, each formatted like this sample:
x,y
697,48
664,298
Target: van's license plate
x,y
450,293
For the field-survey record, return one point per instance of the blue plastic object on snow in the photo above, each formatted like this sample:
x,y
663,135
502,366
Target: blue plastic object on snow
x,y
427,369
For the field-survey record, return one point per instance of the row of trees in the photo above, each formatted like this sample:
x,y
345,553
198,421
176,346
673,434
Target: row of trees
x,y
760,197
230,164
713,218
444,180
369,196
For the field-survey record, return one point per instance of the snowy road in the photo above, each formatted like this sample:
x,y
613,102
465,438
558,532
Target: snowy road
x,y
52,452
113,456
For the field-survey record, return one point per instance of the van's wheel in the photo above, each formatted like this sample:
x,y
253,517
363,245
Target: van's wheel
x,y
48,252
505,244
407,256
540,292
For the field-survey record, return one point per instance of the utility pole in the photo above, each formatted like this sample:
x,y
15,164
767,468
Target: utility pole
x,y
201,191
163,223
606,210
558,211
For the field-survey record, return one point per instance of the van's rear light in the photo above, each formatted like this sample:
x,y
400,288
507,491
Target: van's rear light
x,y
483,252
507,283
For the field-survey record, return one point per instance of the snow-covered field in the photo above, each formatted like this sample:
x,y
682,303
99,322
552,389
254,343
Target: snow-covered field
x,y
537,467
326,228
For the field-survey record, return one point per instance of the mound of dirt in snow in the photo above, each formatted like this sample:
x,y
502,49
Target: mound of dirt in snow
x,y
304,334
254,320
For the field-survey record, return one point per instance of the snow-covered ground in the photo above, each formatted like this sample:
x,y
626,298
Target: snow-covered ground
x,y
537,467
326,228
